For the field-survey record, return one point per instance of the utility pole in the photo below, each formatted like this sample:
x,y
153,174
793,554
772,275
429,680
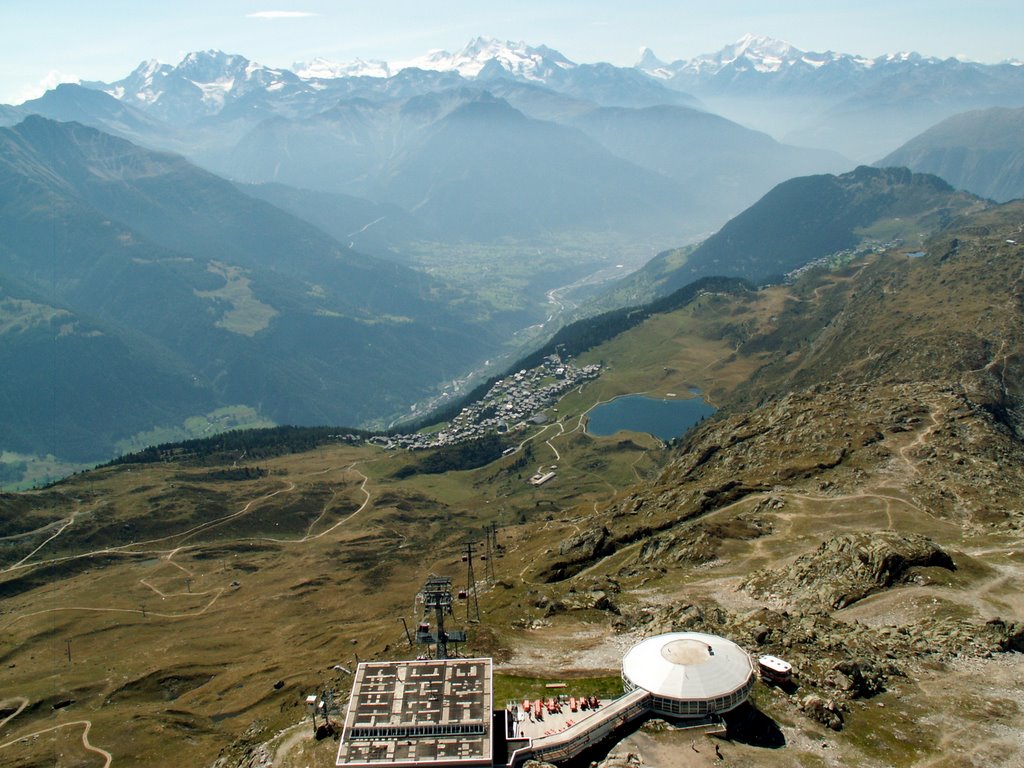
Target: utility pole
x,y
488,555
470,582
67,644
311,703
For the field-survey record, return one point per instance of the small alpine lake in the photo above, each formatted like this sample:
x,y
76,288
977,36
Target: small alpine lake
x,y
665,419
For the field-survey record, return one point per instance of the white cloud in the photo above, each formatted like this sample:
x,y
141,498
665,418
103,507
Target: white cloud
x,y
52,79
279,15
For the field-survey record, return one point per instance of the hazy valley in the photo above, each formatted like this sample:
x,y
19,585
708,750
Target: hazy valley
x,y
480,249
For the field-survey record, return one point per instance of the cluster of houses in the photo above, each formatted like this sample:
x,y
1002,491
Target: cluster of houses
x,y
512,403
839,257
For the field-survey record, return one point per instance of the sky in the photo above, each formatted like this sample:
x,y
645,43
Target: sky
x,y
43,42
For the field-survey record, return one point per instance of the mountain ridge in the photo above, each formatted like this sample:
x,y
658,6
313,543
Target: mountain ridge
x,y
981,151
855,510
249,305
805,219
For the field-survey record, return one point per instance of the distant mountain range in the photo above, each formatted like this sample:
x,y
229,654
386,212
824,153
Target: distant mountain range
x,y
357,128
495,141
211,82
858,106
862,107
981,151
139,290
755,62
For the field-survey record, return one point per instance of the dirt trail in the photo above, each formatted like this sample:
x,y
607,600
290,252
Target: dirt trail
x,y
990,733
86,745
4,703
167,557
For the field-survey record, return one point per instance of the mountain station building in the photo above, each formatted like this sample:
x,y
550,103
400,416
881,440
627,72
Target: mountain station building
x,y
440,713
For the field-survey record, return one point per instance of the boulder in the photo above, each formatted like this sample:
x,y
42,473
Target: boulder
x,y
825,711
848,568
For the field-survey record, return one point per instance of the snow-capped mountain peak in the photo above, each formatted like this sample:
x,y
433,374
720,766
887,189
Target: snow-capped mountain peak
x,y
148,68
518,59
201,83
648,60
651,65
145,83
757,52
325,69
761,47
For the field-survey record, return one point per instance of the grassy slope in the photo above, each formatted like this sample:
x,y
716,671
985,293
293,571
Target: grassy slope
x,y
246,604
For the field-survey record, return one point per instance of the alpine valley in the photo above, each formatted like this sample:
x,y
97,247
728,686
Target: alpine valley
x,y
463,205
437,269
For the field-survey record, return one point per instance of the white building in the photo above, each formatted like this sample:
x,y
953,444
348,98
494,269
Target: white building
x,y
689,674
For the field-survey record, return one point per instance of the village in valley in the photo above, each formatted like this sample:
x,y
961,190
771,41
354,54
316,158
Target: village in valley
x,y
512,403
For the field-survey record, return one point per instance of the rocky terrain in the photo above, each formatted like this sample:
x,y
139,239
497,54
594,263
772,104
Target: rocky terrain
x,y
854,508
848,568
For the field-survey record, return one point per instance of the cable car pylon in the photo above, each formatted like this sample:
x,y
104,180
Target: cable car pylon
x,y
470,591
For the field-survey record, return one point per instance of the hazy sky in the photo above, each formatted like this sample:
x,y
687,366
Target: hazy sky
x,y
46,41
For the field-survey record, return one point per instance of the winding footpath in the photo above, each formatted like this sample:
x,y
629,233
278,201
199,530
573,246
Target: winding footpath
x,y
167,558
86,745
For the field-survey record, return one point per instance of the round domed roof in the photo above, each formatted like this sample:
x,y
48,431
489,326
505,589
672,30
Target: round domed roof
x,y
687,666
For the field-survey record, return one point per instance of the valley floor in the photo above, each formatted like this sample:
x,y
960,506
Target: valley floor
x,y
869,530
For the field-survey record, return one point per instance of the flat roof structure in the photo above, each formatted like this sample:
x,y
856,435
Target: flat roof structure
x,y
689,674
419,713
565,736
775,665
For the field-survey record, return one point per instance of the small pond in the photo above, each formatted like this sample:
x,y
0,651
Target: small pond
x,y
665,419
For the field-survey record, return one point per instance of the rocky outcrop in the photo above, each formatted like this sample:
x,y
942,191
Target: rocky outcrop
x,y
698,544
591,600
622,759
578,550
860,679
841,660
1007,637
825,711
847,568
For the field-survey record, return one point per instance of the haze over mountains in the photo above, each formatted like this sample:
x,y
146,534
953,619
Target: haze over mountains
x,y
171,293
808,218
376,231
862,107
367,136
357,128
981,151
215,244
